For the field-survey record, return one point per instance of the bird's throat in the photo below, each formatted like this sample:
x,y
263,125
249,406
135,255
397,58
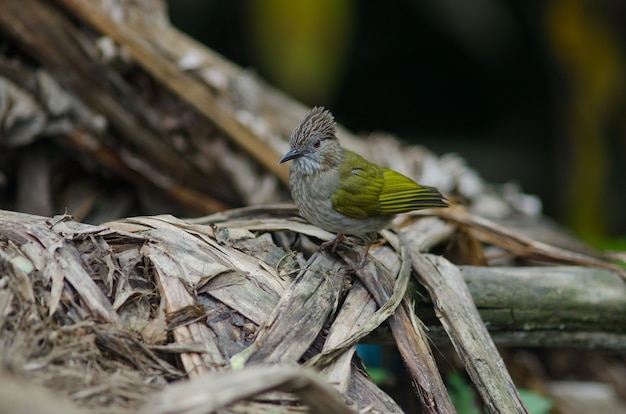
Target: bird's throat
x,y
306,166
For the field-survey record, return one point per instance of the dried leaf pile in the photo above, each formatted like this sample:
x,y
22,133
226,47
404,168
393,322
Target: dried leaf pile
x,y
237,302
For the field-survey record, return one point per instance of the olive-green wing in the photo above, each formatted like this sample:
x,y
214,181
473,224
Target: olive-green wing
x,y
359,188
367,190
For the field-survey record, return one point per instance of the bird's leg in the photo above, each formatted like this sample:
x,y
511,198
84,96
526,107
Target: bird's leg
x,y
368,240
334,242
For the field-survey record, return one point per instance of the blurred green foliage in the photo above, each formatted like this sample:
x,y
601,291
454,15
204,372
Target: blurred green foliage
x,y
587,52
303,45
462,394
536,403
464,398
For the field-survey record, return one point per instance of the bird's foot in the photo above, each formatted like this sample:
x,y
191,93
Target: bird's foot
x,y
357,266
361,263
354,267
333,243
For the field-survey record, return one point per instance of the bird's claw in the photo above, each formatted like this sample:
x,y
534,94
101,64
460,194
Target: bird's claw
x,y
333,242
353,268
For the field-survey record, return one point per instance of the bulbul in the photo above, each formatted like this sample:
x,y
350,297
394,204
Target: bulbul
x,y
340,191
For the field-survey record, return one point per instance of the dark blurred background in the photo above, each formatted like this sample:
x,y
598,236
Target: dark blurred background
x,y
530,92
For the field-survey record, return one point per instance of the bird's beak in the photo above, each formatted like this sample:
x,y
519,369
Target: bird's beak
x,y
290,155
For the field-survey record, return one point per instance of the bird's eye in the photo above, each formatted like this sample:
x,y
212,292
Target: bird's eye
x,y
316,144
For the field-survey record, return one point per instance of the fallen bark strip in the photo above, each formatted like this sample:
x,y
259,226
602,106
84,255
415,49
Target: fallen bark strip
x,y
409,336
459,317
179,82
299,316
521,245
210,393
468,334
357,309
386,310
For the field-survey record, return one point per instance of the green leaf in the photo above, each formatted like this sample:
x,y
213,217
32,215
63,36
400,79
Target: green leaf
x,y
461,394
536,403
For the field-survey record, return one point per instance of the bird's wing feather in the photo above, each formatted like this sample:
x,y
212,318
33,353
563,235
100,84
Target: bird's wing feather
x,y
366,190
359,187
401,194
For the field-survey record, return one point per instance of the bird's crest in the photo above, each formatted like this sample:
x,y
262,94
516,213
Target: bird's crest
x,y
318,122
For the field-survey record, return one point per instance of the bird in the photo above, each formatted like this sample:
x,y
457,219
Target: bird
x,y
340,191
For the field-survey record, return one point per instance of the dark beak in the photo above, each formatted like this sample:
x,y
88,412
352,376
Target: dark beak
x,y
290,155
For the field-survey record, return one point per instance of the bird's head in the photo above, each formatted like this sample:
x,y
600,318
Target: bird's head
x,y
314,145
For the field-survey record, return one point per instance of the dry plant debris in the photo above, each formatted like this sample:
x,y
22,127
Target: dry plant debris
x,y
109,316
